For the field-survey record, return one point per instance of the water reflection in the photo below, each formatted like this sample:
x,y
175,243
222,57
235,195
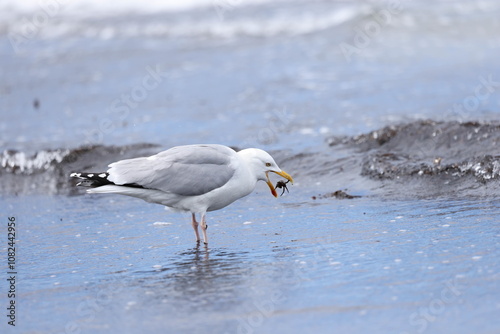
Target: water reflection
x,y
197,277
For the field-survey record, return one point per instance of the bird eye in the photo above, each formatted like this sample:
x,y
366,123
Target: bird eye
x,y
268,164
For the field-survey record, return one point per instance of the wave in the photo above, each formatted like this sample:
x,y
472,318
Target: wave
x,y
417,159
114,8
213,22
226,19
47,171
429,148
428,158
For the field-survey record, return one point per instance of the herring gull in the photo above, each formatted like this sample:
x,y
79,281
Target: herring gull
x,y
193,178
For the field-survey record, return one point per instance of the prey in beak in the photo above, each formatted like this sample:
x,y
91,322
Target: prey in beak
x,y
271,186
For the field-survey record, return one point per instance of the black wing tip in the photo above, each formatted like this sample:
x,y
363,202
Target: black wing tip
x,y
92,179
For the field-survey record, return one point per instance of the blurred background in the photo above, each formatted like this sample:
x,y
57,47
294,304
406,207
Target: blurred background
x,y
273,74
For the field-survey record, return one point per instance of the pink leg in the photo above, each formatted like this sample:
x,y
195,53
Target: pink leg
x,y
195,227
204,227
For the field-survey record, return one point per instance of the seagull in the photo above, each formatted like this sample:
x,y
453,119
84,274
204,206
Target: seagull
x,y
190,178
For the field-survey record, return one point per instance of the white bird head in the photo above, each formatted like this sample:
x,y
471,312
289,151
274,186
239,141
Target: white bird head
x,y
261,164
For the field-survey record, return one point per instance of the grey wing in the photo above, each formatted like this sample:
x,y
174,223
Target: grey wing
x,y
183,170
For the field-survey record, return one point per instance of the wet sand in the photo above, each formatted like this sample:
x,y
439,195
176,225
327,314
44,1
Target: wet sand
x,y
109,264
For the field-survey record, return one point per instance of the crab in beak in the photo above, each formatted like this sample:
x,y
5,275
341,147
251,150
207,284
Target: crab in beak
x,y
271,186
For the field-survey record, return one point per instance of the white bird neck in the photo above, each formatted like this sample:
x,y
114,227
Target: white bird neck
x,y
249,156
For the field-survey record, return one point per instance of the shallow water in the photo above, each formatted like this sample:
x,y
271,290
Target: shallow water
x,y
409,122
118,264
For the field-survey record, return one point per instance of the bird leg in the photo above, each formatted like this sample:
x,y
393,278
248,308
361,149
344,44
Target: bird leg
x,y
195,227
204,227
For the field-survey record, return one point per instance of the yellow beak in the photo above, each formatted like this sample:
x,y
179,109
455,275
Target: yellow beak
x,y
271,186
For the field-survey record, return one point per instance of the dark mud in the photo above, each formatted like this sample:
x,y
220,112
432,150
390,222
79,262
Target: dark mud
x,y
338,194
